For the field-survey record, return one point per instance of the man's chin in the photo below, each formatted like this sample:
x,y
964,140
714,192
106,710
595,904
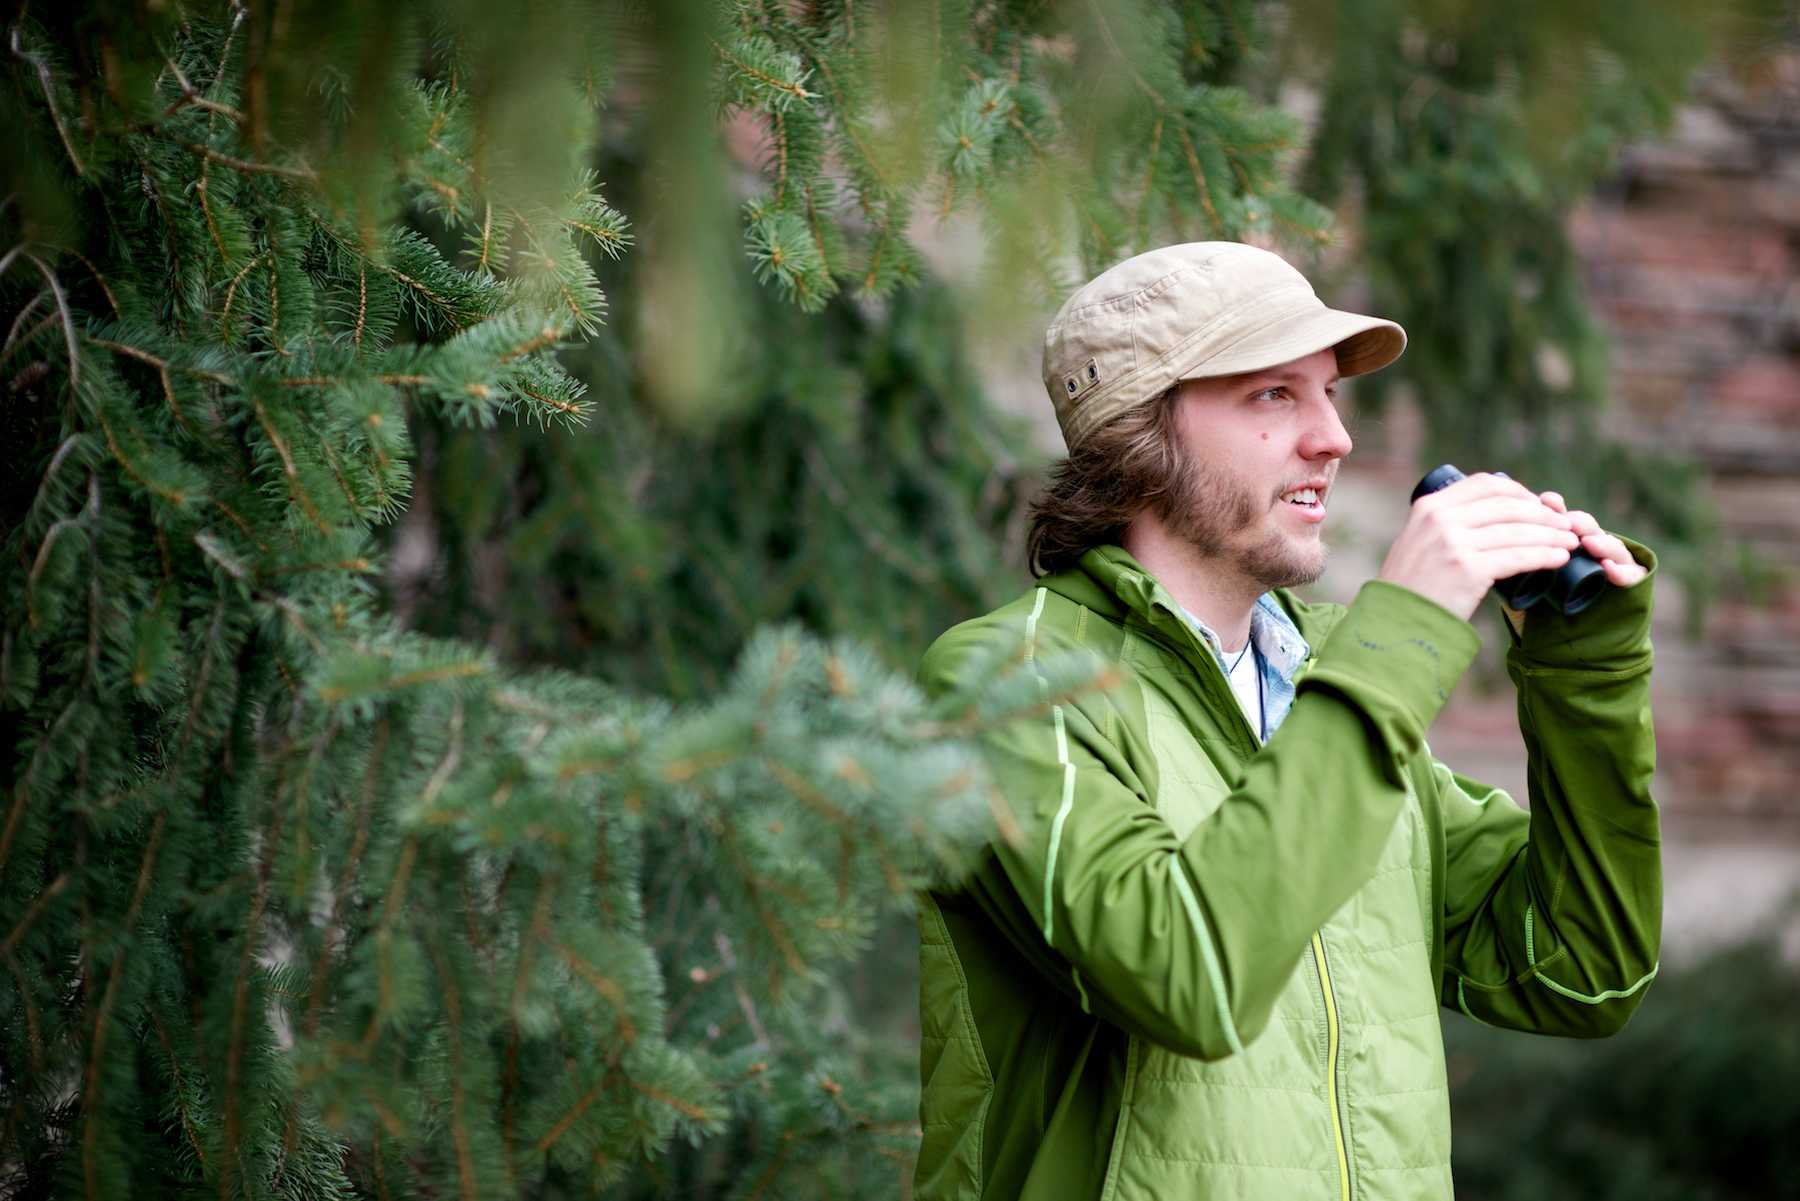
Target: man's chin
x,y
1287,566
1297,578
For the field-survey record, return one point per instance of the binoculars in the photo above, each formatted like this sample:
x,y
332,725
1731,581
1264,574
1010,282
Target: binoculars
x,y
1572,587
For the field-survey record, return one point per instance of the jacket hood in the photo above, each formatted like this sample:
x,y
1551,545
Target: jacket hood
x,y
1109,581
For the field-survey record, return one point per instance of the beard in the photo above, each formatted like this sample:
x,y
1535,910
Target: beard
x,y
1211,512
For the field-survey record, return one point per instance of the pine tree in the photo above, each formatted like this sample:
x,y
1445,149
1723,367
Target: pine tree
x,y
297,902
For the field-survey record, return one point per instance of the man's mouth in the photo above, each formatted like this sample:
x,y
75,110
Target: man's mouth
x,y
1309,498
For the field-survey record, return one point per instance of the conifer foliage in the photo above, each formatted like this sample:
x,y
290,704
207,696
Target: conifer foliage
x,y
296,903
1100,124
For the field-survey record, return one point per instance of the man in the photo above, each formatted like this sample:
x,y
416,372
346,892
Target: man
x,y
1210,964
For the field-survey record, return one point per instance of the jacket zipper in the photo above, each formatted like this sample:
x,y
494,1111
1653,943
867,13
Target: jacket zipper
x,y
1331,1062
1318,938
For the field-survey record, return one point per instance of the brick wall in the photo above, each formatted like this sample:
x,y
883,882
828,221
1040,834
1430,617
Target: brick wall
x,y
1691,256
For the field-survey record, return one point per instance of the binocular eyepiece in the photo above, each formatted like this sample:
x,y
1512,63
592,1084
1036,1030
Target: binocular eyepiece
x,y
1572,587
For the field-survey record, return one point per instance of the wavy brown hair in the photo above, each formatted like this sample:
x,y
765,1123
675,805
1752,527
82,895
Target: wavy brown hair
x,y
1131,463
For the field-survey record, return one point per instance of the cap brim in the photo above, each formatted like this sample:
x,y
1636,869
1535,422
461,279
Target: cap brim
x,y
1363,344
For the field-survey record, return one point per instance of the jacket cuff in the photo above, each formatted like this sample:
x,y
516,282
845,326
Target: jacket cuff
x,y
1397,656
1611,634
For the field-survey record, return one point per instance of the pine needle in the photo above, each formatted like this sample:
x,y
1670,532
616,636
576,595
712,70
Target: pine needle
x,y
62,309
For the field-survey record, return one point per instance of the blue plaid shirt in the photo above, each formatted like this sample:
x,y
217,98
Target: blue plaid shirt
x,y
1280,651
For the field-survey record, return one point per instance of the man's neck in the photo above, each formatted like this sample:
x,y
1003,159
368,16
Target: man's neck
x,y
1212,591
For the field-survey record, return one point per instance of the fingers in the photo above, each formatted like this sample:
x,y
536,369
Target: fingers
x,y
1494,510
1583,523
1603,545
1607,548
1457,541
1621,568
1622,575
1519,533
1488,499
1477,487
1517,560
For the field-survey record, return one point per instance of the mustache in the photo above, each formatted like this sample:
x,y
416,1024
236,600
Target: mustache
x,y
1329,476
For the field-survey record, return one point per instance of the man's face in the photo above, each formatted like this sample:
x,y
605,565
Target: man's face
x,y
1255,444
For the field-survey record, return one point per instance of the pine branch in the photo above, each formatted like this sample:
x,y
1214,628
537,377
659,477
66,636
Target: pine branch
x,y
199,634
465,1159
296,489
190,96
247,167
36,909
92,1105
62,305
48,85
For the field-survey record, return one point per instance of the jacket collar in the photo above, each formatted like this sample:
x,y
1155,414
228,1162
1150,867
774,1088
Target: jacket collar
x,y
1113,584
1108,581
1276,636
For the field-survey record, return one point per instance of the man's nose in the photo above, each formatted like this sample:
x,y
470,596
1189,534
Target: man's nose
x,y
1326,438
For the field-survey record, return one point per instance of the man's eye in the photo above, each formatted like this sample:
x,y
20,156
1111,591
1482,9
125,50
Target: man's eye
x,y
1276,393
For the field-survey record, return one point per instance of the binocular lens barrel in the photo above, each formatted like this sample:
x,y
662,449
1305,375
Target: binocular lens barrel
x,y
1582,581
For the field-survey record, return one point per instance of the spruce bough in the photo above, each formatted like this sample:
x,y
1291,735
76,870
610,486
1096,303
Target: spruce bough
x,y
297,903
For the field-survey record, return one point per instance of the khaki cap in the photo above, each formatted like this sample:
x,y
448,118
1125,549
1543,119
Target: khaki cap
x,y
1193,311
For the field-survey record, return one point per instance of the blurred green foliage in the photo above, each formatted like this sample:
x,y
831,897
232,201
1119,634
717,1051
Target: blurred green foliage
x,y
1463,133
855,487
1695,1101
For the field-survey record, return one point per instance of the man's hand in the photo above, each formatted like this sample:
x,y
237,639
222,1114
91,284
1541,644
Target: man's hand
x,y
1622,571
1459,540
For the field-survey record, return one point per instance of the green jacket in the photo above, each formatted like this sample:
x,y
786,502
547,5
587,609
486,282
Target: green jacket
x,y
1205,969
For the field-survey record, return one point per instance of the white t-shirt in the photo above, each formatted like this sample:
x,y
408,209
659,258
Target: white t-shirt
x,y
1261,679
1247,683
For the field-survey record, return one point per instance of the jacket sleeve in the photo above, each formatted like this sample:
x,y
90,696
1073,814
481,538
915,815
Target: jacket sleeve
x,y
1188,942
1553,921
